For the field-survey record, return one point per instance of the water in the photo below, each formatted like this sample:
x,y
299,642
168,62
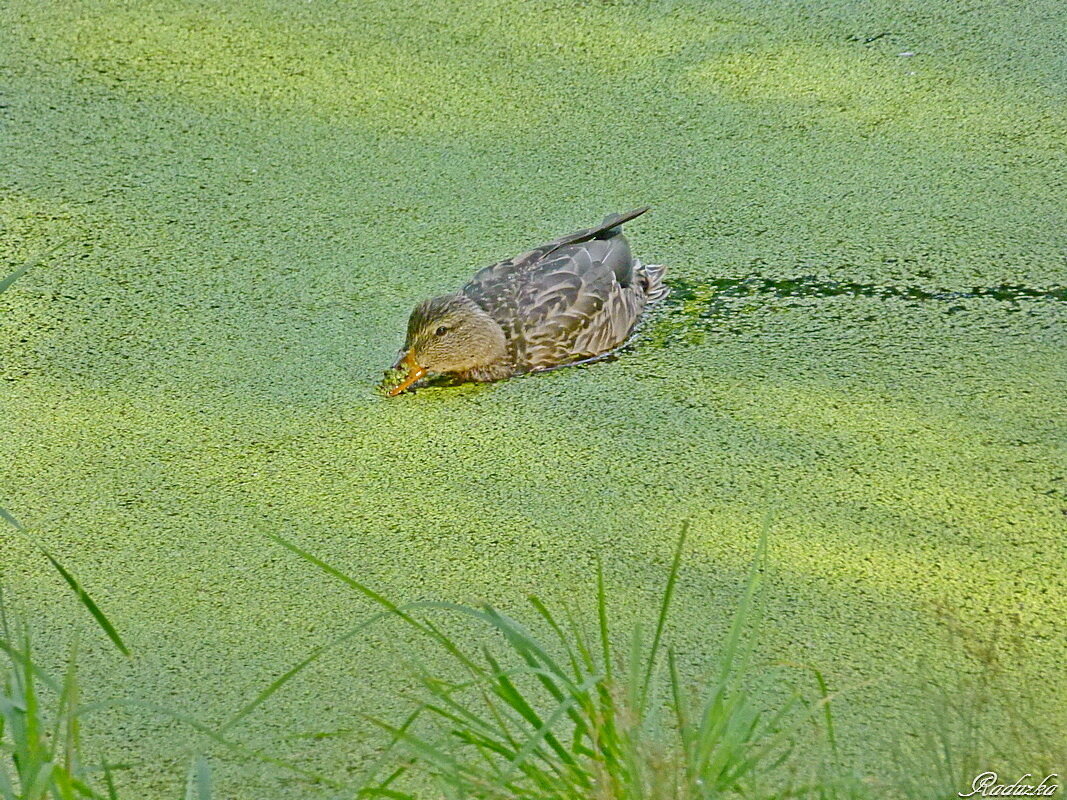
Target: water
x,y
866,337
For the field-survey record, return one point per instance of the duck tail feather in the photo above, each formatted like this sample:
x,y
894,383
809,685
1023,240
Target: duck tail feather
x,y
612,223
611,226
655,286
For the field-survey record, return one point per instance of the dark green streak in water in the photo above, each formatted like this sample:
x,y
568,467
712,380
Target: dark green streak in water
x,y
810,286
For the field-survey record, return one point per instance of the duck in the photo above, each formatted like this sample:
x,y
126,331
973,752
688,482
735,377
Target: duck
x,y
575,299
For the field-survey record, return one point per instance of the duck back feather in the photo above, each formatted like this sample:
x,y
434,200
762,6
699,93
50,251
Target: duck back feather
x,y
571,299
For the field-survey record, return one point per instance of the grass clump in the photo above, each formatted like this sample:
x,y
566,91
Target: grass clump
x,y
40,744
39,723
579,715
566,707
41,718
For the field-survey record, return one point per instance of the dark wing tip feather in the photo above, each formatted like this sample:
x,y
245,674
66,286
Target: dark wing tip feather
x,y
612,223
615,220
605,230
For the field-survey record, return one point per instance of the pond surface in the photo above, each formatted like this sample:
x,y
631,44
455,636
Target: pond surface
x,y
861,210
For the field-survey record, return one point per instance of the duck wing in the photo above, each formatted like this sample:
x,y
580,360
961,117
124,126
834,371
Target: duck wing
x,y
562,307
551,300
491,286
576,306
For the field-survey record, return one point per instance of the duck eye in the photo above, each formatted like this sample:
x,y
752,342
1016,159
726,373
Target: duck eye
x,y
441,331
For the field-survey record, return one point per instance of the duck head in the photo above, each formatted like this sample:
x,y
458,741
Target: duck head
x,y
449,334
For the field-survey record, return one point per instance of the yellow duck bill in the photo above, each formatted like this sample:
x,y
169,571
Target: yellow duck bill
x,y
415,372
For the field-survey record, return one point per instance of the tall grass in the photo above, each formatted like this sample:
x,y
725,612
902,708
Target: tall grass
x,y
564,706
580,712
980,719
71,581
41,719
40,742
40,737
5,283
83,596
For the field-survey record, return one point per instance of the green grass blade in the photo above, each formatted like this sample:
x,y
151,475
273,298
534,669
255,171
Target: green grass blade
x,y
34,747
744,611
90,605
66,720
528,648
507,691
83,596
565,639
824,693
295,670
602,621
109,781
543,733
7,789
6,515
85,790
665,605
521,641
33,262
679,697
381,762
198,786
336,573
424,747
459,713
41,781
381,600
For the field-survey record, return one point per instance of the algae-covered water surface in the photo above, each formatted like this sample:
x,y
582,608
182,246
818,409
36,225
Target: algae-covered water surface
x,y
861,210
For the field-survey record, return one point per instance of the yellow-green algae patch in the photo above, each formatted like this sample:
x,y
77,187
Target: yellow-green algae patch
x,y
258,193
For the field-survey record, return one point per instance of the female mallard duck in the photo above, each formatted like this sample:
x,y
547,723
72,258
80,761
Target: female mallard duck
x,y
570,300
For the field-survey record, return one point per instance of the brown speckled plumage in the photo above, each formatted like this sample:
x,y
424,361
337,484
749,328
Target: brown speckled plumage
x,y
573,299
